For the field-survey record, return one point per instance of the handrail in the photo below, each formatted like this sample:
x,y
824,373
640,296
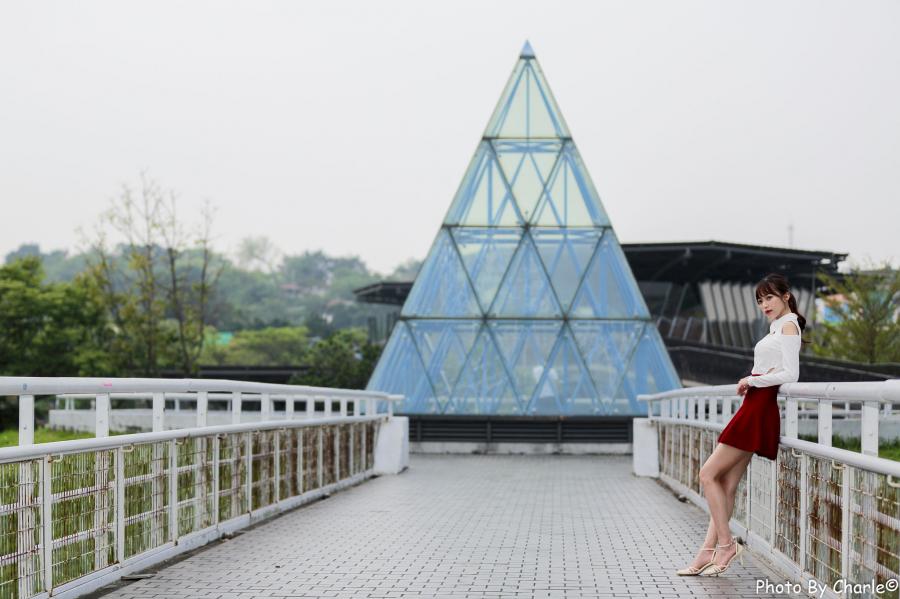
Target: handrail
x,y
881,391
25,452
12,385
102,390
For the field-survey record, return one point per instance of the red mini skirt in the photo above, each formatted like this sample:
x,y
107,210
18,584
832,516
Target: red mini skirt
x,y
756,426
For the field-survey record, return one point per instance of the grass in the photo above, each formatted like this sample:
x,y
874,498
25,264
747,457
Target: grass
x,y
890,451
10,436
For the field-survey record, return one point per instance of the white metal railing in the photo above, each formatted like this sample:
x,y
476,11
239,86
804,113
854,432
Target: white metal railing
x,y
75,515
826,516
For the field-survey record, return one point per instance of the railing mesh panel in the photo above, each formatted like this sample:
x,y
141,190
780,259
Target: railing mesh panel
x,y
287,463
328,441
787,506
310,459
343,431
823,532
263,470
21,530
195,484
761,472
146,497
874,529
232,476
83,514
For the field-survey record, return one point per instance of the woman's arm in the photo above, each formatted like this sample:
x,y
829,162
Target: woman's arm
x,y
790,357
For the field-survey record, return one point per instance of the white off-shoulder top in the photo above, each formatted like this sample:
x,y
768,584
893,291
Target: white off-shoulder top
x,y
779,351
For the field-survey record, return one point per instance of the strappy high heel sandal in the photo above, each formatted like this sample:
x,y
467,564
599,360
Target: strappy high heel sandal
x,y
717,569
693,571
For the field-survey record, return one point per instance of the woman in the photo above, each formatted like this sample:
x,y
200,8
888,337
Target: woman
x,y
755,427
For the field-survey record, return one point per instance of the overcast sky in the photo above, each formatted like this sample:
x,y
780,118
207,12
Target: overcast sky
x,y
346,126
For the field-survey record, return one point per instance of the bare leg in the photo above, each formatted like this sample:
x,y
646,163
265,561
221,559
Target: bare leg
x,y
713,477
730,481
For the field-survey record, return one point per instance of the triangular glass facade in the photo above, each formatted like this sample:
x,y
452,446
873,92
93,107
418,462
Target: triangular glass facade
x,y
525,304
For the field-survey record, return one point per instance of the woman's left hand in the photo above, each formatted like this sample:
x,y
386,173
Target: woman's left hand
x,y
743,385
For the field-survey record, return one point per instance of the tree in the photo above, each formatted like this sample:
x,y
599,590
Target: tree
x,y
158,287
282,346
343,360
55,329
867,306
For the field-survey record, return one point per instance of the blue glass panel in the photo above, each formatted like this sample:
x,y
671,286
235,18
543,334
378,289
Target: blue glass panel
x,y
606,346
525,290
570,199
486,254
527,166
483,198
609,289
565,387
443,346
483,386
565,254
650,371
526,346
442,287
526,107
400,370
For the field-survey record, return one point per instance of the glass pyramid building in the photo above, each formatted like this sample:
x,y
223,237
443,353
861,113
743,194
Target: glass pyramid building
x,y
525,303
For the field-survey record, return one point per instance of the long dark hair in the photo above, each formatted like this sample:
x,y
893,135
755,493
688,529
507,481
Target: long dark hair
x,y
777,284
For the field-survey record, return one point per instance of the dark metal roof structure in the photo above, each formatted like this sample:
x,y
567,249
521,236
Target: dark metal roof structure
x,y
682,262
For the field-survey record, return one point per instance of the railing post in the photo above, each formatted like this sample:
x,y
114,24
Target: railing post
x,y
26,420
300,461
159,411
356,407
202,408
265,407
47,521
701,409
390,406
845,522
350,445
120,504
869,432
249,487
727,402
342,403
824,423
214,519
310,406
173,490
319,460
289,407
370,406
277,441
101,414
327,399
804,499
790,417
236,407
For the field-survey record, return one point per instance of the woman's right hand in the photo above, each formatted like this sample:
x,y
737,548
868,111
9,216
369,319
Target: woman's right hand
x,y
743,385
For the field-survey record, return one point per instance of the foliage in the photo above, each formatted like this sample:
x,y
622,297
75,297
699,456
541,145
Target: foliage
x,y
867,306
158,286
345,359
10,437
50,329
276,346
889,450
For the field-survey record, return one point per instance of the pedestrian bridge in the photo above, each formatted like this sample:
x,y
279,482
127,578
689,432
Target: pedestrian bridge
x,y
288,506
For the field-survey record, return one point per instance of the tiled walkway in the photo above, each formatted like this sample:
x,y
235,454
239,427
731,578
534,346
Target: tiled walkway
x,y
468,526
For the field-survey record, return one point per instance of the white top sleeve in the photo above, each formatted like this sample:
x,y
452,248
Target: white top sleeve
x,y
790,359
